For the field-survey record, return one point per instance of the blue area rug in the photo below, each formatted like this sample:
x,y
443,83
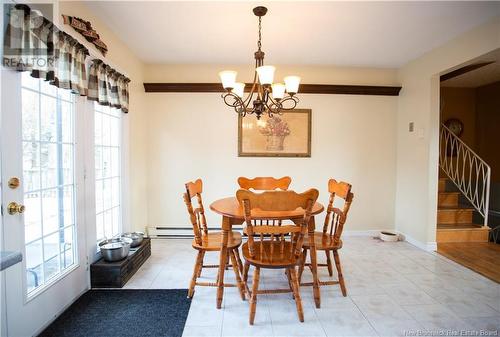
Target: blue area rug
x,y
124,313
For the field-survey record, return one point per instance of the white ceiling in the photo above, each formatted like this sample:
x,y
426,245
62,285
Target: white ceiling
x,y
372,34
478,77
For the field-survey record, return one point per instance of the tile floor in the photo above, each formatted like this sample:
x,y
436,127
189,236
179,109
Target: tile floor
x,y
394,289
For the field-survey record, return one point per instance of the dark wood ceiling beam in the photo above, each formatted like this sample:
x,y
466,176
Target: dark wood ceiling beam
x,y
464,70
331,89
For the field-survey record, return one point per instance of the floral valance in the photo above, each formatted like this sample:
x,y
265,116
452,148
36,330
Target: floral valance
x,y
107,86
33,43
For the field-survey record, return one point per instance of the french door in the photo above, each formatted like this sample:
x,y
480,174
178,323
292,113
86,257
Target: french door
x,y
39,148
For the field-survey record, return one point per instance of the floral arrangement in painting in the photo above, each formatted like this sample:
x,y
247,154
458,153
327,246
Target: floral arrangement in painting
x,y
275,129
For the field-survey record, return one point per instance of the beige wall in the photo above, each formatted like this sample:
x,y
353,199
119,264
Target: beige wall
x,y
488,122
461,103
120,57
195,135
417,152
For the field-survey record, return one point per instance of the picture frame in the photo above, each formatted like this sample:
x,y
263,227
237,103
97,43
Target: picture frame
x,y
284,135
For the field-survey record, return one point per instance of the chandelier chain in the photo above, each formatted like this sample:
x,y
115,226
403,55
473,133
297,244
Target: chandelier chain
x,y
259,44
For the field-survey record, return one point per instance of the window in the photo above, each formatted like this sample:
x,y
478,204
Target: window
x,y
107,123
48,181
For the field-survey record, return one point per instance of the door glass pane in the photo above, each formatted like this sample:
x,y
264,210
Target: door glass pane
x,y
48,118
34,264
67,116
33,218
48,176
107,171
50,211
67,258
48,164
31,165
51,255
31,121
67,163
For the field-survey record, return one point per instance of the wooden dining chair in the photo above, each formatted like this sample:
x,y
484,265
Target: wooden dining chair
x,y
282,248
264,183
329,240
204,241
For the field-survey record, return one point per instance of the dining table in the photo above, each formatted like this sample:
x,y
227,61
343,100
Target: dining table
x,y
233,214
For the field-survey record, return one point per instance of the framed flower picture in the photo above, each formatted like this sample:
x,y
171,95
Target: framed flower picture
x,y
285,135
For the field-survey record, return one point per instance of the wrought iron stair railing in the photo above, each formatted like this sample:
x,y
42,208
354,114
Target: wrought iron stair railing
x,y
469,172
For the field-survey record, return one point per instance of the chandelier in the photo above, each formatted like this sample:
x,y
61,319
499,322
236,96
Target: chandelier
x,y
265,96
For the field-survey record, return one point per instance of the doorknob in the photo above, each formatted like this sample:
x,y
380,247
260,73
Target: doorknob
x,y
14,208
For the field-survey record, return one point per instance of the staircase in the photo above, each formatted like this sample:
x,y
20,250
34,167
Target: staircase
x,y
455,218
464,188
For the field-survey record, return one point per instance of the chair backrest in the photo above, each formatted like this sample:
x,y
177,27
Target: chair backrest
x,y
275,203
336,218
197,215
264,183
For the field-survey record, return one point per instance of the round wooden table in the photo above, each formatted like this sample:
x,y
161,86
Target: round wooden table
x,y
233,214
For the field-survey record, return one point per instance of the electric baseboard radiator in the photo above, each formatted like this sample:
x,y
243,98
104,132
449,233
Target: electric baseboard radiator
x,y
176,231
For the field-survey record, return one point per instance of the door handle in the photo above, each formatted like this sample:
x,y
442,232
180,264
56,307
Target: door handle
x,y
14,208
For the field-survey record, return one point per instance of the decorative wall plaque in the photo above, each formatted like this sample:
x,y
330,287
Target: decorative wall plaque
x,y
85,28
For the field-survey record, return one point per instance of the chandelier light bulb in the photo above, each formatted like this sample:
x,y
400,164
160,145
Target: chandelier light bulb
x,y
228,78
239,89
292,84
278,90
266,74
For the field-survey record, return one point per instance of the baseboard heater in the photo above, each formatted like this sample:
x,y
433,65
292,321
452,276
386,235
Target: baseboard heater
x,y
171,232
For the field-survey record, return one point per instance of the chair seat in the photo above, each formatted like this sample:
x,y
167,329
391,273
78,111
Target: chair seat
x,y
213,241
323,241
265,259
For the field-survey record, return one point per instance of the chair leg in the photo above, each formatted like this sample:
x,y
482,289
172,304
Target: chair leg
x,y
339,271
245,272
238,259
253,298
289,277
201,266
329,263
290,283
241,287
302,264
296,293
227,261
197,267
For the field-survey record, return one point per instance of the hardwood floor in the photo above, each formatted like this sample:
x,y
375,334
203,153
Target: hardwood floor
x,y
481,257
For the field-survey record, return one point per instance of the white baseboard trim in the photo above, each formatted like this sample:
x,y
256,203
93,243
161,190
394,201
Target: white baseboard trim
x,y
427,246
